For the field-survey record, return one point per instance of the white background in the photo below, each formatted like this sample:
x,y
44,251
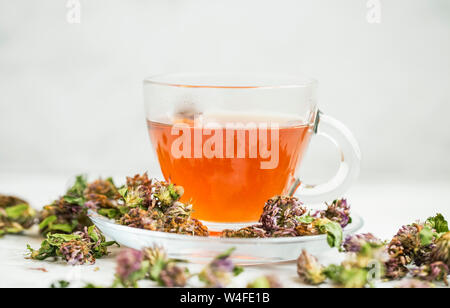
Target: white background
x,y
71,94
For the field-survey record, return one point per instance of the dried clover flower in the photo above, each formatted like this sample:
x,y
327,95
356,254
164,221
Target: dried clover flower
x,y
437,271
308,226
68,213
415,244
285,216
441,251
395,269
138,192
154,205
173,276
289,220
309,269
255,231
76,248
76,252
338,211
139,218
16,215
407,244
359,269
179,209
190,226
8,201
101,187
166,194
218,273
163,270
154,255
281,212
8,227
347,277
60,284
354,243
130,268
265,282
103,196
415,284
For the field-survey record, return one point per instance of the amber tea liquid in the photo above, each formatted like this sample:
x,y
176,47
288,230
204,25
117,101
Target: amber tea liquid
x,y
230,188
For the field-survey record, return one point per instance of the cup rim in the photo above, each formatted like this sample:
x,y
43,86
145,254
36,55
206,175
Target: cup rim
x,y
231,80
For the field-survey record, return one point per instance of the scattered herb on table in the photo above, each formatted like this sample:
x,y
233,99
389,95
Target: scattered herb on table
x,y
265,282
68,213
309,269
78,248
60,284
419,250
150,264
436,271
220,271
417,244
16,215
441,250
130,268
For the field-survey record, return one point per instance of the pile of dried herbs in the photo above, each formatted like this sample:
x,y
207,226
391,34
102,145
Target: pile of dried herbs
x,y
66,214
419,251
69,213
16,215
286,216
152,205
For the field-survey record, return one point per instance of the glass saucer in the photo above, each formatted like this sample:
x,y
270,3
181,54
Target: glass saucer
x,y
199,249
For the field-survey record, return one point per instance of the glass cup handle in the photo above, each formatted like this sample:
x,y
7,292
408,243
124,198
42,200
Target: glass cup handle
x,y
349,167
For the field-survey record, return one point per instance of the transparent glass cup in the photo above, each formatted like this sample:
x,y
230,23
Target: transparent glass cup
x,y
235,140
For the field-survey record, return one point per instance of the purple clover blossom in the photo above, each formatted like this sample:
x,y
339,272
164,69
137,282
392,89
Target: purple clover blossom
x,y
285,232
222,265
338,211
128,262
309,269
441,251
281,212
437,271
354,243
173,276
91,204
76,253
220,271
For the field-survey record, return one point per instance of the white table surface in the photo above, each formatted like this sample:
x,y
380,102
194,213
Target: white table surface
x,y
384,205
